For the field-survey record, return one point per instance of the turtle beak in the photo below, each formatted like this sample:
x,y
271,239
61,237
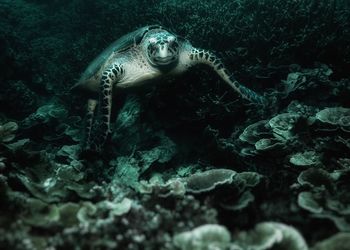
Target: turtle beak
x,y
163,51
163,55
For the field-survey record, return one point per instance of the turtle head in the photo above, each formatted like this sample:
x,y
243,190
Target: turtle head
x,y
162,49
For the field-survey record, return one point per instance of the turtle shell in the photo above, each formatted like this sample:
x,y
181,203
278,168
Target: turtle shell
x,y
124,43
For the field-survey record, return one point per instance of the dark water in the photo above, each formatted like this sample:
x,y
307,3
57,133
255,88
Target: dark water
x,y
189,163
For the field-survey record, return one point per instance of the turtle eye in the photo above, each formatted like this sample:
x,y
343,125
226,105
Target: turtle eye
x,y
171,39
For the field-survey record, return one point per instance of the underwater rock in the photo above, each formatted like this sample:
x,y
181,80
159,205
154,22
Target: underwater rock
x,y
205,237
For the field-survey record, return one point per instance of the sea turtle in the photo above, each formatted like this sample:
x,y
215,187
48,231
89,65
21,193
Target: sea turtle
x,y
145,54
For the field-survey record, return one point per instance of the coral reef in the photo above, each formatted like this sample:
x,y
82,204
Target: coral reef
x,y
188,165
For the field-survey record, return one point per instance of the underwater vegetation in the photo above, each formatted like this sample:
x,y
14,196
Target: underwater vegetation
x,y
189,165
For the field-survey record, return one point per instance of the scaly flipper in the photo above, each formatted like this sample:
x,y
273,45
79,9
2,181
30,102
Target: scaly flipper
x,y
209,58
91,106
101,126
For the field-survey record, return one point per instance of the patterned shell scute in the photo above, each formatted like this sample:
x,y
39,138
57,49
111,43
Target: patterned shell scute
x,y
125,42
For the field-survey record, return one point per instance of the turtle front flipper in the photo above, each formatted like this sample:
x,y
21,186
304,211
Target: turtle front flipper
x,y
101,125
209,58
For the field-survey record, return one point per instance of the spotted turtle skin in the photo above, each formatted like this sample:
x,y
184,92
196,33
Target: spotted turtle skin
x,y
141,57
